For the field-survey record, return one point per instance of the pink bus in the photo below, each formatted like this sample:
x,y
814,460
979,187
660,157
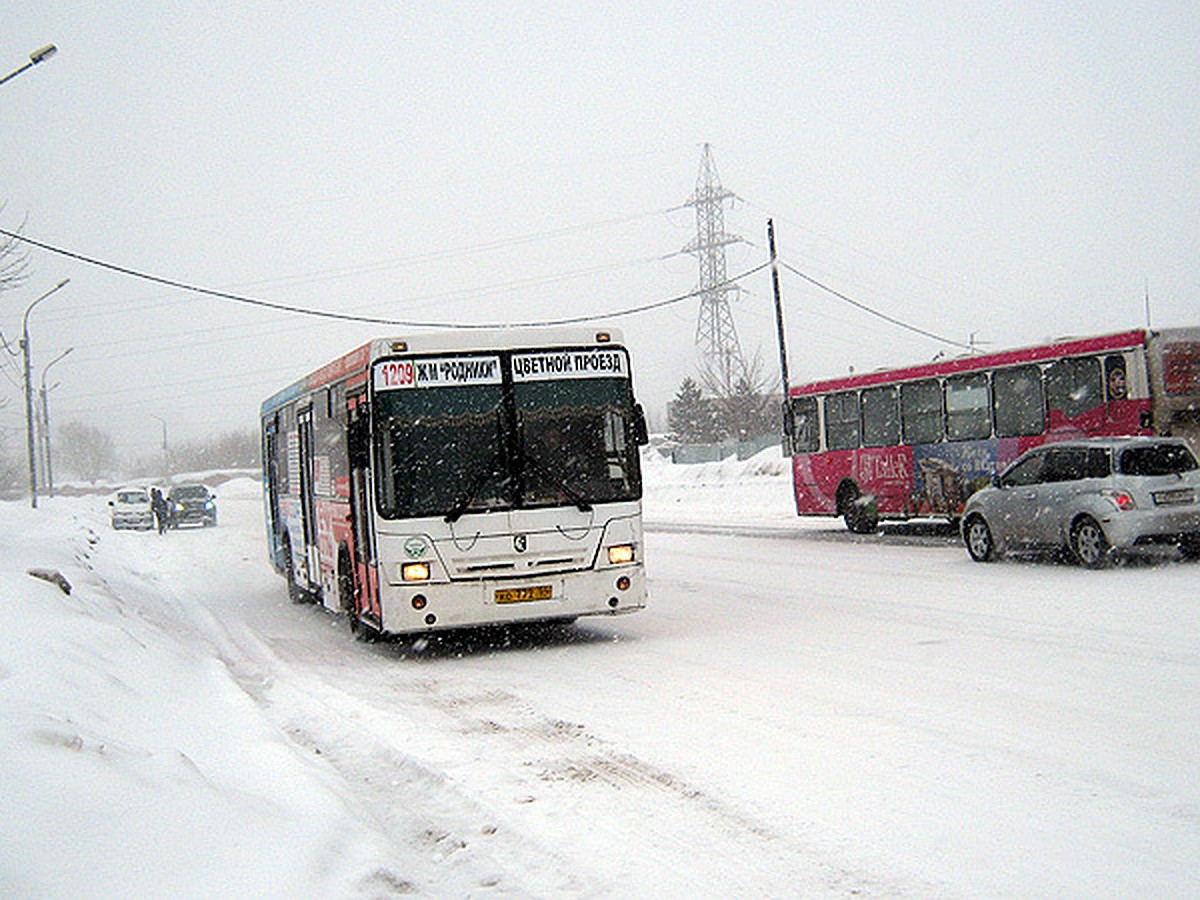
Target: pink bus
x,y
918,441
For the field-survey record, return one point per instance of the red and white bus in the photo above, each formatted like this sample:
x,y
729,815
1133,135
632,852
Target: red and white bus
x,y
918,441
441,481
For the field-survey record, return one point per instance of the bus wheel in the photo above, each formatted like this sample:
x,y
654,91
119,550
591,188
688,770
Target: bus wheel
x,y
978,538
295,593
1089,544
360,629
345,579
859,512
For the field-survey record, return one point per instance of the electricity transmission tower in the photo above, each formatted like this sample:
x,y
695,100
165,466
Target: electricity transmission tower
x,y
716,337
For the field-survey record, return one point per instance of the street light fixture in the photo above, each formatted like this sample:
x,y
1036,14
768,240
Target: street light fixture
x,y
46,422
29,394
40,55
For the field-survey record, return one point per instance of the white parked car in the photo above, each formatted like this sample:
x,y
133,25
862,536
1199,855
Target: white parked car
x,y
1091,497
131,508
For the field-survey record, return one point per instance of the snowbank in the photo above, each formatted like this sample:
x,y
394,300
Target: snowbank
x,y
134,762
755,491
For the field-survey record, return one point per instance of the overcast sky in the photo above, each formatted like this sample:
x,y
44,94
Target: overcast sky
x,y
1007,171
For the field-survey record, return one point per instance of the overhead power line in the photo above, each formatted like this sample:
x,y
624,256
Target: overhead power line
x,y
348,317
892,320
415,323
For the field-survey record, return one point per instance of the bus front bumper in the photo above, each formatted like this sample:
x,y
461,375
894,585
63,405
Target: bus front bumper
x,y
434,606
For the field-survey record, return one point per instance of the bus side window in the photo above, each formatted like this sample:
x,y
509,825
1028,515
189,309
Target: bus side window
x,y
842,424
968,408
921,411
881,417
1074,386
806,436
1019,405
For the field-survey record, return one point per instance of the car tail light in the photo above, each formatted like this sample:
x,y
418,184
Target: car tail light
x,y
1122,500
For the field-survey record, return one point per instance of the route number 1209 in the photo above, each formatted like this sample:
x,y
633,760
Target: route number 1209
x,y
395,374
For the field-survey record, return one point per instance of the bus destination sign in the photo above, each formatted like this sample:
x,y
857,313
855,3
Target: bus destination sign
x,y
554,364
435,372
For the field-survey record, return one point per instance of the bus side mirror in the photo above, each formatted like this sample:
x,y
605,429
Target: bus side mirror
x,y
787,442
789,420
641,432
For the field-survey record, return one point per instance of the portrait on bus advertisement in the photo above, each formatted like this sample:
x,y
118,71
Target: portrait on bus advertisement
x,y
946,474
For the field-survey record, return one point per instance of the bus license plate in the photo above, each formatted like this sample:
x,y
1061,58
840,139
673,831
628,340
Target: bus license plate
x,y
521,595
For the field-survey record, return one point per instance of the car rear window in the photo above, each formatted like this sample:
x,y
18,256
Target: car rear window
x,y
132,497
1075,464
1157,459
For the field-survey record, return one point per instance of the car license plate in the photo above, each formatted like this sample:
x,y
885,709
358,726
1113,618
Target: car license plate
x,y
1174,498
521,595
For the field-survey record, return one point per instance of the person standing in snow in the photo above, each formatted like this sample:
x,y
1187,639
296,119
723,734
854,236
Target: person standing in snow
x,y
158,504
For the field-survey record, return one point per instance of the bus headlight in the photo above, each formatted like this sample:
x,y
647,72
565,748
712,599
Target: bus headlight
x,y
620,554
417,571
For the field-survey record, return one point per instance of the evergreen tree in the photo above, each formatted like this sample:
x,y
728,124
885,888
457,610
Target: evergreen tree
x,y
690,415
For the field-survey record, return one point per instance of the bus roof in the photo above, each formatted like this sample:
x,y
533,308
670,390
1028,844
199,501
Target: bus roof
x,y
359,359
1052,350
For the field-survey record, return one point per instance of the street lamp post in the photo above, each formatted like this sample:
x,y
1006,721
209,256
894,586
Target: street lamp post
x,y
40,55
165,455
29,394
46,423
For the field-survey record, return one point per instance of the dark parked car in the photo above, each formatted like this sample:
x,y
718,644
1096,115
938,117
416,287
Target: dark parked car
x,y
192,504
1091,497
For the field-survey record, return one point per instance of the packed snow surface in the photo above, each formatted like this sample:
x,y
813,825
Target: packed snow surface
x,y
798,711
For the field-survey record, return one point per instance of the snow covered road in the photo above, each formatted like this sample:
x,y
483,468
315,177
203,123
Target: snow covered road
x,y
798,712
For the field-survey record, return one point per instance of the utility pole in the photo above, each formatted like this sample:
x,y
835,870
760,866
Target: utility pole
x,y
783,361
165,454
715,333
45,397
29,443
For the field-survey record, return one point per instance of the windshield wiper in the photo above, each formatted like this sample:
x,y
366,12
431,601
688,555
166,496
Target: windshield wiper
x,y
468,496
495,466
562,484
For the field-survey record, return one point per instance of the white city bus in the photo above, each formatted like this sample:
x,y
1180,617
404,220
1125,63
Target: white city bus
x,y
449,480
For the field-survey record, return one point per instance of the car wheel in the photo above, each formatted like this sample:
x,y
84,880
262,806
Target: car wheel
x,y
978,538
1190,547
1088,543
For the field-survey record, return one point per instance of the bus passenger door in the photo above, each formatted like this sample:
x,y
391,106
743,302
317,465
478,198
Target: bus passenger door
x,y
271,464
308,503
366,577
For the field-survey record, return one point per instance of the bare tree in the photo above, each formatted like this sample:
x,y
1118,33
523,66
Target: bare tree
x,y
749,407
231,450
11,468
14,261
87,451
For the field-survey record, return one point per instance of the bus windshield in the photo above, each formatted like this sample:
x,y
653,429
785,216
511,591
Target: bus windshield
x,y
448,450
439,449
576,441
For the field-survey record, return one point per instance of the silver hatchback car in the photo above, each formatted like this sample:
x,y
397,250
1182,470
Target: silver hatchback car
x,y
1091,497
